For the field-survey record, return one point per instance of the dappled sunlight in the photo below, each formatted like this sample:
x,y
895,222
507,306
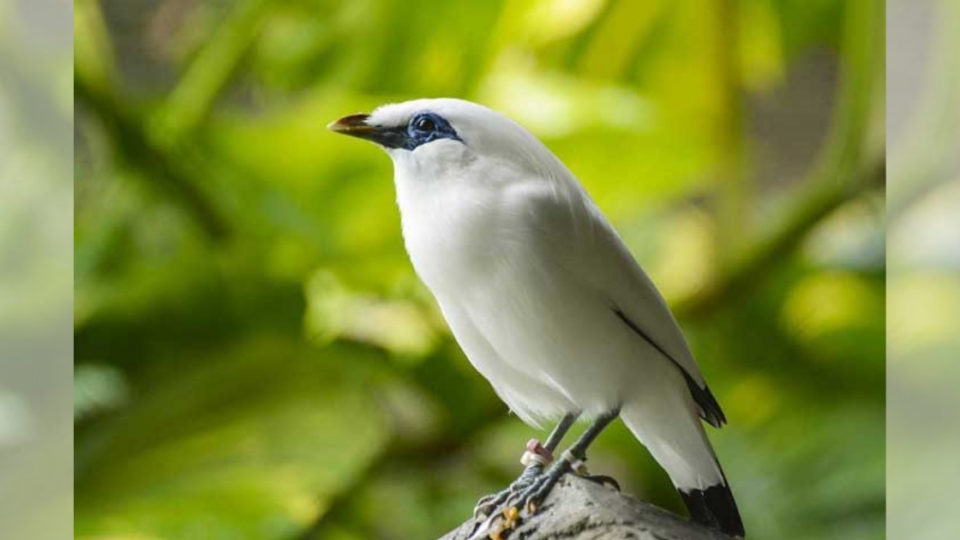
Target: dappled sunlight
x,y
829,302
334,312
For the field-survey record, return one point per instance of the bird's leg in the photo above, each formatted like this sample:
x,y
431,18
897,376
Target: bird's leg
x,y
535,493
534,460
553,440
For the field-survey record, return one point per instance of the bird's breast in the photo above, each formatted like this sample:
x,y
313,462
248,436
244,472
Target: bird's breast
x,y
453,242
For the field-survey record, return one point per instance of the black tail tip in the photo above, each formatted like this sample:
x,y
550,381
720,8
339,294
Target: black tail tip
x,y
714,507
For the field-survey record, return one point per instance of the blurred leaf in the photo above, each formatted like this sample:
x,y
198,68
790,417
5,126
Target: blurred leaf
x,y
829,302
249,442
760,45
395,325
97,388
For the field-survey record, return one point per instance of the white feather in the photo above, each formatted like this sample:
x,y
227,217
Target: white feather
x,y
529,275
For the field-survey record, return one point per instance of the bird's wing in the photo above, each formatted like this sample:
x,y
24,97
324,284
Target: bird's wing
x,y
637,302
598,257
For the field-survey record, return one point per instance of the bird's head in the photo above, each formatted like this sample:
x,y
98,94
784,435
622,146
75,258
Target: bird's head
x,y
430,137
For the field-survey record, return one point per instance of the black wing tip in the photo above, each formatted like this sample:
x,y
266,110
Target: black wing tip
x,y
715,508
719,419
709,408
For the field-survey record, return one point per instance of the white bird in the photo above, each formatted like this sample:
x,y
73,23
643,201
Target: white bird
x,y
544,297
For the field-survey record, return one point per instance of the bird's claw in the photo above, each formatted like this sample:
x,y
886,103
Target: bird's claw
x,y
602,479
488,504
493,527
528,493
531,497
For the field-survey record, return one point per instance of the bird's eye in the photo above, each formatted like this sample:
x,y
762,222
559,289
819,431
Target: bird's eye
x,y
424,123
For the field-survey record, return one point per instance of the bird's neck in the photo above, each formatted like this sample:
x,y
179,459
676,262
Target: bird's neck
x,y
450,226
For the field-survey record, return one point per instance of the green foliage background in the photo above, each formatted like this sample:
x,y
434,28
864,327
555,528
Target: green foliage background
x,y
255,357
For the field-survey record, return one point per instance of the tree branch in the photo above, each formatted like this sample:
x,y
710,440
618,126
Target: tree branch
x,y
581,509
820,200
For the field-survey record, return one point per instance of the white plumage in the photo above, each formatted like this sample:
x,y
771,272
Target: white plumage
x,y
539,290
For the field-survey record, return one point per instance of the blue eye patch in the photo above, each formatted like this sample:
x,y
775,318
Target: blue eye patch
x,y
422,128
428,127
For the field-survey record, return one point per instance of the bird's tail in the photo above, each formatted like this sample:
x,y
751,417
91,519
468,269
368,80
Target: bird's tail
x,y
675,438
714,507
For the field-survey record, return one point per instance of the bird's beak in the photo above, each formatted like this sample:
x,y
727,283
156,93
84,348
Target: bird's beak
x,y
355,125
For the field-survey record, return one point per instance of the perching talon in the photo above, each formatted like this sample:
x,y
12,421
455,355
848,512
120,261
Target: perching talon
x,y
531,497
603,480
488,505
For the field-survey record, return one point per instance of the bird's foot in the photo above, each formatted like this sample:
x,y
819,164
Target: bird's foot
x,y
602,479
489,503
531,497
534,459
527,494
